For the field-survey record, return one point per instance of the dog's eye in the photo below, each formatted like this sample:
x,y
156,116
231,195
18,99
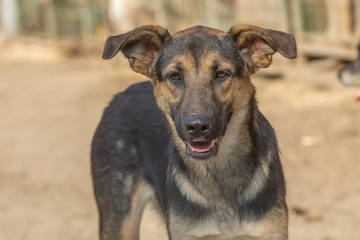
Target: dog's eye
x,y
221,75
174,76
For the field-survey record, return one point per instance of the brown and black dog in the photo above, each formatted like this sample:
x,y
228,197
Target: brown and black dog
x,y
192,138
349,75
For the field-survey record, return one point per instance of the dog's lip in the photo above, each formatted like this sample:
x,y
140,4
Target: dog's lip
x,y
201,149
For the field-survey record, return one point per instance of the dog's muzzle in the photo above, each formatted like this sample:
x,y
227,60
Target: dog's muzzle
x,y
201,137
198,129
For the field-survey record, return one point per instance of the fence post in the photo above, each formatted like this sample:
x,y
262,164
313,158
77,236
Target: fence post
x,y
9,14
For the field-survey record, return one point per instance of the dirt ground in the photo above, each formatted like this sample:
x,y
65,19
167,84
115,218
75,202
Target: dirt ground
x,y
50,106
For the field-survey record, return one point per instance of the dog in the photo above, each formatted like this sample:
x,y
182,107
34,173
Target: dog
x,y
349,75
191,139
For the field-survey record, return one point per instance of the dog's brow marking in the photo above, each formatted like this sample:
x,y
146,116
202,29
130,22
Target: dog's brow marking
x,y
212,59
183,61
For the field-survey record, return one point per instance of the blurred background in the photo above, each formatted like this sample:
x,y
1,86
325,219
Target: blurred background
x,y
54,86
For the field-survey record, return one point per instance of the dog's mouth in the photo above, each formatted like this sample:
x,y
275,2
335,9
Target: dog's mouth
x,y
201,150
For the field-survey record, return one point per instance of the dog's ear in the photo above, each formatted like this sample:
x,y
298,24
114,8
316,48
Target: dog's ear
x,y
141,46
258,45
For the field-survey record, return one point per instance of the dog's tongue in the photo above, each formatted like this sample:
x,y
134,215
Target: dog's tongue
x,y
201,146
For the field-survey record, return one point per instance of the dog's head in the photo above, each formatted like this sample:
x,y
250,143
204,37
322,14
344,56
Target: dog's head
x,y
201,76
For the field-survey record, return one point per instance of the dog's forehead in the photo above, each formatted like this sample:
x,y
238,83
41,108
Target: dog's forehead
x,y
200,31
198,36
197,42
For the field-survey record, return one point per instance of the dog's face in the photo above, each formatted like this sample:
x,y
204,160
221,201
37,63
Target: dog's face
x,y
200,76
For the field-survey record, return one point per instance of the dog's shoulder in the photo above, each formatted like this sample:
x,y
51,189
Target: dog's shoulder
x,y
136,99
140,88
130,112
134,94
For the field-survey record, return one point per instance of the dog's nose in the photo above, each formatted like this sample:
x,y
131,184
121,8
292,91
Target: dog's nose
x,y
197,125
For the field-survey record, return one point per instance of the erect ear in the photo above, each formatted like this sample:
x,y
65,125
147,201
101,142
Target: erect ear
x,y
258,45
141,46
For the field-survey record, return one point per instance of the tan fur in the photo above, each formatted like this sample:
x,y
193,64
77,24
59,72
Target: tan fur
x,y
270,227
189,190
141,195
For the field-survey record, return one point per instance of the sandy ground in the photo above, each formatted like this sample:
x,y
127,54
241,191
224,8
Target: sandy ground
x,y
50,106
